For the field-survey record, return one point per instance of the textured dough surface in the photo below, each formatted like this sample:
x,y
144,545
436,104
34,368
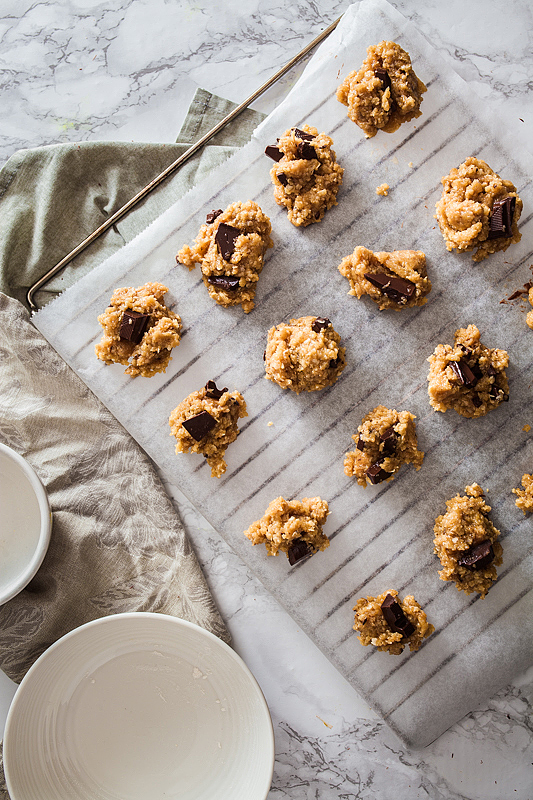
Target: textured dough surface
x,y
246,261
374,105
490,386
464,209
374,629
464,525
286,521
152,354
525,495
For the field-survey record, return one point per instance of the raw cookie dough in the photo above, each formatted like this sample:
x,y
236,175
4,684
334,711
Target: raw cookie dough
x,y
385,92
306,176
407,622
385,440
478,210
304,355
149,341
468,377
230,247
293,527
525,495
466,534
383,189
206,423
393,280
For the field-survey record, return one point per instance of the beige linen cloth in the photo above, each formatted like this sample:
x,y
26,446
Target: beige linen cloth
x,y
117,542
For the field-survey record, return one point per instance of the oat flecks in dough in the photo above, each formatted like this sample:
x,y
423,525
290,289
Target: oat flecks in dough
x,y
163,332
231,281
463,527
289,526
384,92
225,410
409,266
307,177
374,629
385,440
468,377
304,355
464,210
525,495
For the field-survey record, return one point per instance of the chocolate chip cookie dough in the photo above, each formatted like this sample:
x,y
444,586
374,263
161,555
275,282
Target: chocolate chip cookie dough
x,y
293,527
384,92
385,440
139,330
478,210
466,542
525,495
206,423
468,377
304,355
390,623
393,280
230,247
306,176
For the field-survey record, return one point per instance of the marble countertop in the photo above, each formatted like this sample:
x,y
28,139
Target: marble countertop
x,y
126,70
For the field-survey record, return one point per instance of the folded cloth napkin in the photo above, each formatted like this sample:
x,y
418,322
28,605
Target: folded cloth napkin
x,y
117,542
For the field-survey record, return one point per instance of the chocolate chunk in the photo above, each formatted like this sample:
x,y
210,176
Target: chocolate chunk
x,y
384,77
334,362
298,549
463,372
491,371
477,401
478,556
501,218
477,371
211,217
375,474
308,137
199,425
306,150
229,283
282,178
212,391
397,289
225,238
273,152
389,439
133,326
360,443
320,323
395,617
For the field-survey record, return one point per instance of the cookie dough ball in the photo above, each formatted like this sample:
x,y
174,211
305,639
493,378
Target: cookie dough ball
x,y
139,330
478,210
230,248
304,355
466,543
393,280
385,440
468,377
385,92
306,176
390,623
293,527
525,495
206,423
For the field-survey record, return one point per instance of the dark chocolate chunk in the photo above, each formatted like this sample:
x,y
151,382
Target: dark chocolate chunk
x,y
303,135
395,617
320,323
199,425
389,439
501,218
397,289
334,362
282,178
375,474
478,556
360,443
225,238
273,152
229,283
463,372
298,549
212,391
306,150
384,77
476,400
133,326
211,217
491,371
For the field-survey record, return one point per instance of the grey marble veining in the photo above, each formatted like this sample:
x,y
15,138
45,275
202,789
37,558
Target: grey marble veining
x,y
88,70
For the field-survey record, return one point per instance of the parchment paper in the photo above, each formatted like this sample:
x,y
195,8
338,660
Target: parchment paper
x,y
381,537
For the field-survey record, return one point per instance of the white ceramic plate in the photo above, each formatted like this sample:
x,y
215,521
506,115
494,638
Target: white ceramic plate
x,y
25,523
139,706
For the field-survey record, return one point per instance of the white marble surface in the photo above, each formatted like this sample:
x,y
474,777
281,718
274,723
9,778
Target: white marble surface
x,y
126,69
